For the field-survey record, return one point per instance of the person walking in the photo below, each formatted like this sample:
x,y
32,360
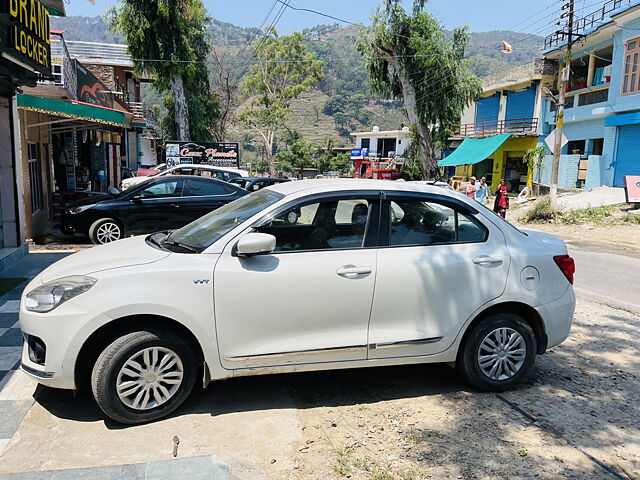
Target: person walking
x,y
471,188
501,204
482,191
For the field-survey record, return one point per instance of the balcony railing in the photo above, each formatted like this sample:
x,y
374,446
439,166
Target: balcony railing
x,y
494,127
586,23
137,108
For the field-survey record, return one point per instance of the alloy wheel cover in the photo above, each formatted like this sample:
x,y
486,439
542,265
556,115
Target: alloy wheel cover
x,y
149,378
502,354
108,232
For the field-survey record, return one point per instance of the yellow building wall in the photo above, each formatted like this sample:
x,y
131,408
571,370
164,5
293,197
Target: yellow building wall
x,y
513,147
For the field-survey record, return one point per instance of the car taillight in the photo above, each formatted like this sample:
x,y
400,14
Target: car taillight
x,y
566,265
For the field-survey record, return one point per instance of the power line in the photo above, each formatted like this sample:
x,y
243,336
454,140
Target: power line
x,y
277,18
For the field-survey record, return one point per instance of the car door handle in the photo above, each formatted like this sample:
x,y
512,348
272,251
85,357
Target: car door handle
x,y
175,205
347,270
486,260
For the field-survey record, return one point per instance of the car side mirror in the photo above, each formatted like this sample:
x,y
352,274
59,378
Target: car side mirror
x,y
255,244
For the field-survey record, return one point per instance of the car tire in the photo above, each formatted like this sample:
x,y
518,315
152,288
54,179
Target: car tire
x,y
497,353
105,230
129,393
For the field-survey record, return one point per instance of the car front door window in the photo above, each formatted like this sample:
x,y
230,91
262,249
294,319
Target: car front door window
x,y
164,189
322,225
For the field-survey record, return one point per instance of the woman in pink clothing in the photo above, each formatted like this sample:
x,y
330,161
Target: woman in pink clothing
x,y
501,203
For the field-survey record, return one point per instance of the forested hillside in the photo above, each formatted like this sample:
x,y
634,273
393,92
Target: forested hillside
x,y
342,101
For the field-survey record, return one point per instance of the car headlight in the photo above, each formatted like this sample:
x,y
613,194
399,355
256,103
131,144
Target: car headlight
x,y
53,294
77,210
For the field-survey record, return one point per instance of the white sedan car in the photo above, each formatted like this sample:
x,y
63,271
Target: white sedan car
x,y
336,274
221,173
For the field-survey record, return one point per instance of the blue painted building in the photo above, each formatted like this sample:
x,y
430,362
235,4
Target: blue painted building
x,y
602,113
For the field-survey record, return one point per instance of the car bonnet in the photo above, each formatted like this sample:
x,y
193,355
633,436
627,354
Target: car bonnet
x,y
123,253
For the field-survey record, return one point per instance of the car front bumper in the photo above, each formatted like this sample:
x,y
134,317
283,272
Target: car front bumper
x,y
558,317
63,332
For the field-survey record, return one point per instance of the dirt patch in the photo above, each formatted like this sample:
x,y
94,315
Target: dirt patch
x,y
419,422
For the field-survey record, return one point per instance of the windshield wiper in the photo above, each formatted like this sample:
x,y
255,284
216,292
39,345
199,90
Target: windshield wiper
x,y
173,243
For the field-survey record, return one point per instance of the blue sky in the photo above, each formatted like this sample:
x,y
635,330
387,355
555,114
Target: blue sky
x,y
520,15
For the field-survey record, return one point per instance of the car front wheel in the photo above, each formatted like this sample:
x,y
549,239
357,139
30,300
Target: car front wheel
x,y
143,376
105,230
498,352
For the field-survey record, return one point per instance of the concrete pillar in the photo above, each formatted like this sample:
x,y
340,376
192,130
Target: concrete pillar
x,y
592,69
502,112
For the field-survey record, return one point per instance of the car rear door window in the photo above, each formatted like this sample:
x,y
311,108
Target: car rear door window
x,y
200,188
418,222
330,224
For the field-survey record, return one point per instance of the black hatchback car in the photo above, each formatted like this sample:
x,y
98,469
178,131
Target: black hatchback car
x,y
163,203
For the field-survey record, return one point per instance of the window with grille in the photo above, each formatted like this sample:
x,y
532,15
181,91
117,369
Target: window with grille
x,y
631,75
35,179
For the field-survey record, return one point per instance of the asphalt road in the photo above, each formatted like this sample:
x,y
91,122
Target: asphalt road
x,y
613,280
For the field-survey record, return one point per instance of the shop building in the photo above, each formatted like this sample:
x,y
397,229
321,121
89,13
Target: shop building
x,y
498,129
602,108
25,57
380,154
80,136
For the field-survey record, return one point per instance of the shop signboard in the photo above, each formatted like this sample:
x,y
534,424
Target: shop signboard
x,y
219,154
24,35
91,89
632,188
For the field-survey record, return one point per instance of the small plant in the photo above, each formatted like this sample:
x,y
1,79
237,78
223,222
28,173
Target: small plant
x,y
415,436
412,474
541,211
342,465
373,470
587,215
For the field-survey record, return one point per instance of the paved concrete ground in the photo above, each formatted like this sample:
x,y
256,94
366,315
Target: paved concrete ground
x,y
597,197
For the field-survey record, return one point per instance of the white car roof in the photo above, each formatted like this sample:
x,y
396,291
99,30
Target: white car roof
x,y
347,184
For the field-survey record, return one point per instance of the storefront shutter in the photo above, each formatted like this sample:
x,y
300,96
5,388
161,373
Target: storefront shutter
x,y
521,104
628,153
487,108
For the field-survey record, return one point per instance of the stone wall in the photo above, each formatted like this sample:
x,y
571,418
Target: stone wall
x,y
104,73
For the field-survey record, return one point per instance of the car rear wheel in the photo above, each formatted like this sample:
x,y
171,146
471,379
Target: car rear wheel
x,y
143,376
105,230
498,352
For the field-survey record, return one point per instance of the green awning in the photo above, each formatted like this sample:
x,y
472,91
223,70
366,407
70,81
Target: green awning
x,y
75,110
55,7
474,150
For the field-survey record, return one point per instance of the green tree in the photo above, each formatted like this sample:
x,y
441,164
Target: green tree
x,y
341,163
297,156
342,121
534,158
284,70
167,39
335,104
409,57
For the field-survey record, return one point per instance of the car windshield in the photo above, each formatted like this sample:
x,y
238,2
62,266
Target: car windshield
x,y
206,230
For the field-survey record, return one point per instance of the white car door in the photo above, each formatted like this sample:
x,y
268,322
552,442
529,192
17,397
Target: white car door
x,y
310,300
437,264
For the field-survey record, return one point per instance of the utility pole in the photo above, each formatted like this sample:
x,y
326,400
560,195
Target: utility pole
x,y
566,73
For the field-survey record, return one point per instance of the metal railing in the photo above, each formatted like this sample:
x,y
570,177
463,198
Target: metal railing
x,y
97,53
587,22
494,127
